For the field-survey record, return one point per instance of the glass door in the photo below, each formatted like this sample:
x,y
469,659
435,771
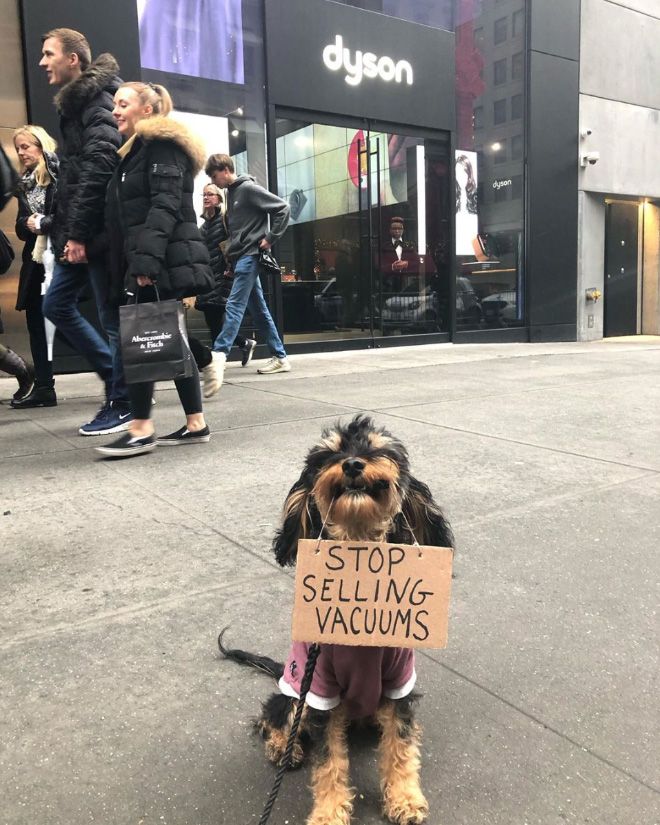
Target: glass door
x,y
367,251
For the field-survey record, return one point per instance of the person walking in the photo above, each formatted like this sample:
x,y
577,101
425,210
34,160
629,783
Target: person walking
x,y
213,304
36,192
248,208
150,217
88,156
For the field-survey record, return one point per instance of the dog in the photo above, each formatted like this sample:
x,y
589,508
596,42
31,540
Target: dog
x,y
356,485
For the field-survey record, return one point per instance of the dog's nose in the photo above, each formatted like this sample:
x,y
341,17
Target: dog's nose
x,y
353,467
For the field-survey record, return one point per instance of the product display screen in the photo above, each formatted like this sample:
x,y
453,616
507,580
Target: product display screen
x,y
199,38
467,219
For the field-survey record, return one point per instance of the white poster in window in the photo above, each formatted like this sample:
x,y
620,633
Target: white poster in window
x,y
467,219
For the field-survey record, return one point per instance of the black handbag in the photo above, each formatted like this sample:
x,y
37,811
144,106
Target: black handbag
x,y
154,341
267,263
7,253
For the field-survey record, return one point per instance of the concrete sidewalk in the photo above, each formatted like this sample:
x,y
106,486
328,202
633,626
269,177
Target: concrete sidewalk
x,y
115,707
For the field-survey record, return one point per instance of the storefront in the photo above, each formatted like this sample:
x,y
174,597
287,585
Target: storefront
x,y
395,130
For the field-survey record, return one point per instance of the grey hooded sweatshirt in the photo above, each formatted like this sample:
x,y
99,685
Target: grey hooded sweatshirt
x,y
248,208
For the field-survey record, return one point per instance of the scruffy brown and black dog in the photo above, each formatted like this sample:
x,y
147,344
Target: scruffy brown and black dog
x,y
356,485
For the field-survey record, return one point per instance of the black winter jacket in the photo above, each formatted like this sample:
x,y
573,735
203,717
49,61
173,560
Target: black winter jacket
x,y
150,214
31,271
88,152
214,233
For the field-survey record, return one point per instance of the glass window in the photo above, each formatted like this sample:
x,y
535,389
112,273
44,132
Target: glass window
x,y
499,72
517,147
500,154
517,66
494,269
484,29
500,31
518,23
516,107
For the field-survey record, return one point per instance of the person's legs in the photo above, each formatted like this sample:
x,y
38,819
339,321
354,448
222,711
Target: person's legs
x,y
109,318
43,368
60,307
264,321
200,352
195,430
246,273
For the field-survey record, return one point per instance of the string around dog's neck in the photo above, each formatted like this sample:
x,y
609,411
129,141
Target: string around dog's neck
x,y
415,542
325,521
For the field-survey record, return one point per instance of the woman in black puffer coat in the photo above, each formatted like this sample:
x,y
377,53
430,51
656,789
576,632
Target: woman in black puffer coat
x,y
150,218
214,303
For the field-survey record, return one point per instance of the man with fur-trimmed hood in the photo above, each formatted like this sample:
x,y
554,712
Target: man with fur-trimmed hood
x,y
88,157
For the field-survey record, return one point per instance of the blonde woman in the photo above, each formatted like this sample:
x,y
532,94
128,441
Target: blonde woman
x,y
150,216
36,207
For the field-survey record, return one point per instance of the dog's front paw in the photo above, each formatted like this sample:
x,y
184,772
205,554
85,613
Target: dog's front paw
x,y
340,815
405,807
276,741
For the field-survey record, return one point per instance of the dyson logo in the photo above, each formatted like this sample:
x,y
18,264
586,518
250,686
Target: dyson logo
x,y
366,64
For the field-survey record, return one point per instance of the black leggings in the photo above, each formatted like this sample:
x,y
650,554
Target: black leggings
x,y
43,368
190,395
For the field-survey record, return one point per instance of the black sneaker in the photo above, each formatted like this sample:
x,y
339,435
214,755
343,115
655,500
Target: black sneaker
x,y
184,436
248,351
128,445
39,397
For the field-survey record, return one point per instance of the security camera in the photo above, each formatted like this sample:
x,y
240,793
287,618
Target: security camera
x,y
584,133
590,158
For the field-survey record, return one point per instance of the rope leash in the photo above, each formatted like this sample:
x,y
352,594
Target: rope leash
x,y
305,685
312,656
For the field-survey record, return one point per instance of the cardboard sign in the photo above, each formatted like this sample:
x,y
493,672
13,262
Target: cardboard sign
x,y
372,594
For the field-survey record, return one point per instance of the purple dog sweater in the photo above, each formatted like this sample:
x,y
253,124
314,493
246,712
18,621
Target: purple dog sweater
x,y
358,676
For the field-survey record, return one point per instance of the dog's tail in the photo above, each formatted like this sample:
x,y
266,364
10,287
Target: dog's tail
x,y
269,666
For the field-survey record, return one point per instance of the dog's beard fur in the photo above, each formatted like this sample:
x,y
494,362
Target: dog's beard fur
x,y
362,508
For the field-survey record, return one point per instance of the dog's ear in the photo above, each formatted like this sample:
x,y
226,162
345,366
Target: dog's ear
x,y
425,517
300,520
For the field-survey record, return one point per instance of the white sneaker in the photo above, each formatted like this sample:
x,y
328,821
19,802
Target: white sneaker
x,y
213,374
275,365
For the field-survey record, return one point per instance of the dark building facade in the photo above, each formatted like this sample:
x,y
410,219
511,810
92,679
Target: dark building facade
x,y
427,149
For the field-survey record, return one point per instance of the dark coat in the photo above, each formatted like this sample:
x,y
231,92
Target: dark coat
x,y
88,152
214,233
31,271
150,214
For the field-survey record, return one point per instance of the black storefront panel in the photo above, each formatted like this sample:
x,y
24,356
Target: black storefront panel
x,y
327,57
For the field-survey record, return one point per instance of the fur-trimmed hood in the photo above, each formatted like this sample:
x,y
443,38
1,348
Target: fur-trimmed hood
x,y
167,128
72,98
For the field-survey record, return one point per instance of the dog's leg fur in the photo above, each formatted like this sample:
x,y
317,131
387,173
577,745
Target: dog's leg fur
x,y
333,796
274,726
403,800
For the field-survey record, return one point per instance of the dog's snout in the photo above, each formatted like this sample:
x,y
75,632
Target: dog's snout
x,y
353,467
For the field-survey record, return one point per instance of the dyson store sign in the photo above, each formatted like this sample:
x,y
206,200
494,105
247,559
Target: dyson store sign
x,y
365,64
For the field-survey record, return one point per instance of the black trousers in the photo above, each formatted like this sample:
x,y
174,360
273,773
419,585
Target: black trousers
x,y
214,320
43,368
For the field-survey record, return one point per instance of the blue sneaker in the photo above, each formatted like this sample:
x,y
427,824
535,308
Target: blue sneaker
x,y
113,417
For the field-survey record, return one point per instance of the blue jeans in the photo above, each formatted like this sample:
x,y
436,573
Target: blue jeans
x,y
246,293
60,306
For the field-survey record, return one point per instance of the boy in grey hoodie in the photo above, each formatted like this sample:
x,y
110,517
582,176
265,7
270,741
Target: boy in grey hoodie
x,y
248,208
